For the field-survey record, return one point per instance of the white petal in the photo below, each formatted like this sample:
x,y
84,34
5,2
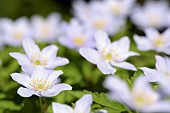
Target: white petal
x,y
151,33
30,47
118,87
91,55
141,83
61,108
124,65
21,58
57,62
106,68
56,89
160,63
28,69
102,40
151,74
21,79
83,105
24,92
53,76
50,52
143,43
40,72
161,107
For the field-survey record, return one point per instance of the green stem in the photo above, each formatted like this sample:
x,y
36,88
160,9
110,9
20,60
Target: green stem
x,y
129,111
41,104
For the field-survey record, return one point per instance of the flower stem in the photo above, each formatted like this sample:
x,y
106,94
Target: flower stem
x,y
41,104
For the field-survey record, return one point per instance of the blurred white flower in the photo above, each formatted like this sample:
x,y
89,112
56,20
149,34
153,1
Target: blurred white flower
x,y
83,105
152,14
118,8
108,53
154,40
35,57
141,97
95,17
162,71
40,83
13,32
46,29
75,35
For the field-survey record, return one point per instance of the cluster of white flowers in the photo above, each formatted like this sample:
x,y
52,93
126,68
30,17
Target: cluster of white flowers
x,y
88,32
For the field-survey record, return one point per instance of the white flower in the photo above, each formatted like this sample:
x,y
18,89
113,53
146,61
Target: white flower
x,y
108,53
13,32
118,8
95,17
75,35
152,14
154,41
141,97
40,83
81,106
162,71
46,29
35,57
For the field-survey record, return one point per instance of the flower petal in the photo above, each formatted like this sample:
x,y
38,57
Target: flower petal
x,y
28,69
106,68
91,55
40,72
124,65
56,89
30,47
53,76
61,108
102,40
83,105
50,52
24,92
21,79
21,58
59,61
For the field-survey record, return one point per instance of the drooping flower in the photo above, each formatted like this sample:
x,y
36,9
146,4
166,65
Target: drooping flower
x,y
46,29
108,54
35,57
13,32
152,14
161,72
83,105
40,83
141,97
154,40
76,34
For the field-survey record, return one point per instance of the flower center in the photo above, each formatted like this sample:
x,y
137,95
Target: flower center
x,y
18,35
46,30
37,59
116,9
100,24
79,41
40,85
143,98
159,42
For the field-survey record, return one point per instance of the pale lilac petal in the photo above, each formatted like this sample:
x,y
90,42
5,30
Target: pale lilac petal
x,y
59,61
28,69
21,79
56,89
141,83
160,63
102,40
53,76
61,108
83,105
151,74
118,88
30,47
50,52
106,68
24,92
143,43
91,55
123,44
151,33
40,72
161,107
124,65
21,58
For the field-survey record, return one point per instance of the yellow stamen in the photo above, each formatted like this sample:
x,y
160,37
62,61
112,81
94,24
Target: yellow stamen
x,y
79,41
